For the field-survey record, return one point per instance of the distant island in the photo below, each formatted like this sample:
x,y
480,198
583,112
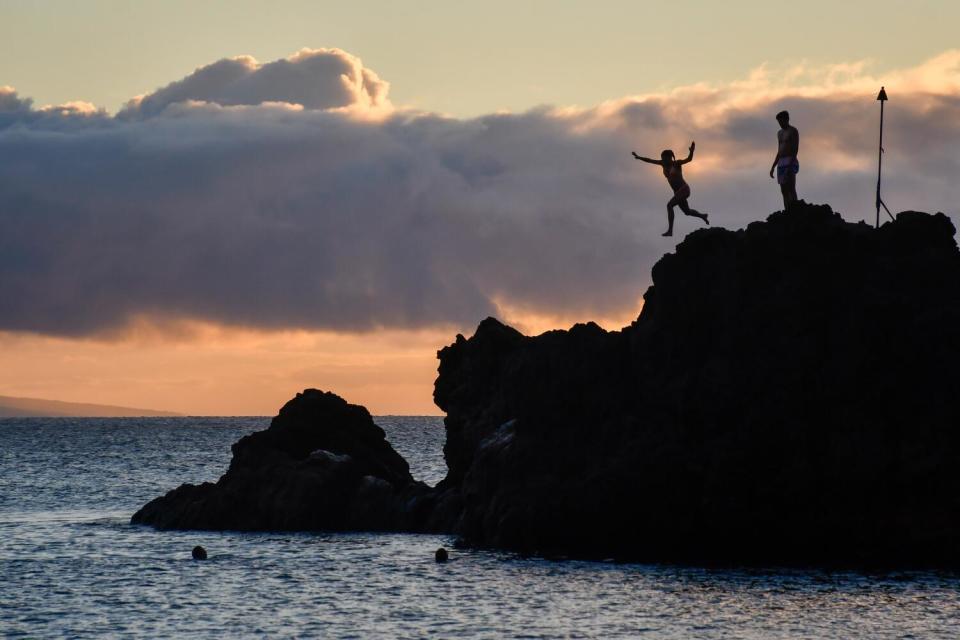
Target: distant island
x,y
11,407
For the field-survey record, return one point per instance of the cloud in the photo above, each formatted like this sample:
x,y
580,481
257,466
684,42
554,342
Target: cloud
x,y
15,110
239,197
11,103
311,78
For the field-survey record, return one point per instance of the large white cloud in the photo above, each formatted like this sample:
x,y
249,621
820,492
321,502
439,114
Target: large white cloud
x,y
311,78
273,210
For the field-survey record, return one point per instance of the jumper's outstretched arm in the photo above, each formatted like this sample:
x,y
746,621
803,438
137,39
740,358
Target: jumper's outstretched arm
x,y
693,145
650,160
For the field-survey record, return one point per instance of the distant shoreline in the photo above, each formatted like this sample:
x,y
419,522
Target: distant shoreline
x,y
14,407
7,412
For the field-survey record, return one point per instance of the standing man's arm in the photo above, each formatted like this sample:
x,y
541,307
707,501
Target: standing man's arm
x,y
777,158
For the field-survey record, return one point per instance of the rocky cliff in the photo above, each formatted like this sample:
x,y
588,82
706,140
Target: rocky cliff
x,y
789,394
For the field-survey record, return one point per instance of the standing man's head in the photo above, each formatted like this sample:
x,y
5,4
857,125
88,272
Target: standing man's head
x,y
784,119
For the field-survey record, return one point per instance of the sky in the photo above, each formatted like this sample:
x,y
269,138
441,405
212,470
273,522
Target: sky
x,y
206,207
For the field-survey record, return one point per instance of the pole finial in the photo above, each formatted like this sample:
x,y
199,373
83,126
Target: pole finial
x,y
882,95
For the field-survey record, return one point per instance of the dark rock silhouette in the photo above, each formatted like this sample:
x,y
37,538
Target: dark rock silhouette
x,y
789,394
441,555
322,465
199,553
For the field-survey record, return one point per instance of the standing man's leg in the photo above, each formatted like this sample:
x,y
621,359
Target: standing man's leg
x,y
789,189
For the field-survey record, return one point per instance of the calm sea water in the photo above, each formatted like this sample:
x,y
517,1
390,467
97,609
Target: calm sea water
x,y
71,566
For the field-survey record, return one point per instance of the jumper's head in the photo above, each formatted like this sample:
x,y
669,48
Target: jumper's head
x,y
783,118
667,154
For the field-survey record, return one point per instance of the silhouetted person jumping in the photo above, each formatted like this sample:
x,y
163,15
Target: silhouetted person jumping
x,y
672,170
786,163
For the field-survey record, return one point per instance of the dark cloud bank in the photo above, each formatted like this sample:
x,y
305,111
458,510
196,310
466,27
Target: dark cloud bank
x,y
293,195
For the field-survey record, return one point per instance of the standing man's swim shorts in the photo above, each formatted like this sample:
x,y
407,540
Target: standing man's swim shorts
x,y
789,166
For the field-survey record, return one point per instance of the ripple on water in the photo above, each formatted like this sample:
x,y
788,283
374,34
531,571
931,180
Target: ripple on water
x,y
74,567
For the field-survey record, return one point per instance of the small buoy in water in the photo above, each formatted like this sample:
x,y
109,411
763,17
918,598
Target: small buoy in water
x,y
441,555
199,553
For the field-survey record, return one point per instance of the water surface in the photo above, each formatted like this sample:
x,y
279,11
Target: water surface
x,y
73,567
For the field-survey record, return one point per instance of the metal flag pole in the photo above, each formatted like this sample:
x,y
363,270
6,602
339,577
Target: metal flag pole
x,y
882,97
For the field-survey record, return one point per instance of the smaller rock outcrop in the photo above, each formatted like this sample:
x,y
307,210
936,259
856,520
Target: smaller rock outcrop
x,y
322,465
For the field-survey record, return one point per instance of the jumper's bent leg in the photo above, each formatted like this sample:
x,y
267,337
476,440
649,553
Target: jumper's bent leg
x,y
692,212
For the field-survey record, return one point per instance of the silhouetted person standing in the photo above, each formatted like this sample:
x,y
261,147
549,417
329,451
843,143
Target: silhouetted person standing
x,y
672,170
786,163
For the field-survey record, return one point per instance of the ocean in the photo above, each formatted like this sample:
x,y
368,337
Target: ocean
x,y
73,567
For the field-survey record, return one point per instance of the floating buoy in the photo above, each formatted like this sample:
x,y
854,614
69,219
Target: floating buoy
x,y
441,555
199,553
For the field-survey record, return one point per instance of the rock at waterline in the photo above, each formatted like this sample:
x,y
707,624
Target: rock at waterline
x,y
323,465
789,394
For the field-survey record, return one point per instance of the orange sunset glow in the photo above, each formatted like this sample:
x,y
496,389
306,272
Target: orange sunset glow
x,y
204,369
216,239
